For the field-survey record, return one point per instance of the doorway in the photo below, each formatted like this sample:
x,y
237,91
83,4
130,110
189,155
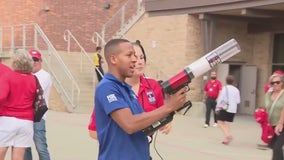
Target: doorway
x,y
245,81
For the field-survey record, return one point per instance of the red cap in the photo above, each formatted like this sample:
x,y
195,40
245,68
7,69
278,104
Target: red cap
x,y
35,53
278,72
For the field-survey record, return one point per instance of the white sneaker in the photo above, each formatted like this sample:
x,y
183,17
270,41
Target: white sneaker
x,y
206,126
215,125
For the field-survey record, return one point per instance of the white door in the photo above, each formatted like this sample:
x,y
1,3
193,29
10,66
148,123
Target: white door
x,y
248,89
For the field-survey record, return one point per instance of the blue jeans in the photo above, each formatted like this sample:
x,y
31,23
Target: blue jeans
x,y
40,142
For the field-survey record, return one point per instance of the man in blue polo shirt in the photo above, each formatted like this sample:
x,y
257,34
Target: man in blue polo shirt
x,y
119,116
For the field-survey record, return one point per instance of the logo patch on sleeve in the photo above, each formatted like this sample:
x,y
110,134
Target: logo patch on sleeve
x,y
111,98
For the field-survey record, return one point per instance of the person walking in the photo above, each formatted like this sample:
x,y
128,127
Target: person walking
x,y
267,88
119,117
226,109
40,127
18,90
212,89
274,104
98,60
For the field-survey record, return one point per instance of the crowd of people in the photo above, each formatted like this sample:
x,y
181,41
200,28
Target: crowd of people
x,y
128,102
119,115
18,90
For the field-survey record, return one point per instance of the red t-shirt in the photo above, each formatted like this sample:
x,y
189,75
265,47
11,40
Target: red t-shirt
x,y
17,95
4,69
150,96
212,88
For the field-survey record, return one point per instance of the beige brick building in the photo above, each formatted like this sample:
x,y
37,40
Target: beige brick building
x,y
176,33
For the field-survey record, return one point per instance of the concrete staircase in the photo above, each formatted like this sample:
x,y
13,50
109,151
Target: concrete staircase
x,y
85,77
120,22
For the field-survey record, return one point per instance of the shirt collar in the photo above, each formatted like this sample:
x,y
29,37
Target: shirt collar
x,y
111,77
144,82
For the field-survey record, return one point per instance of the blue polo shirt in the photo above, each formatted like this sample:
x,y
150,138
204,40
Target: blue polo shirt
x,y
114,142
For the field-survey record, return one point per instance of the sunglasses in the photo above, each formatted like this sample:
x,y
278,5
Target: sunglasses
x,y
35,59
275,82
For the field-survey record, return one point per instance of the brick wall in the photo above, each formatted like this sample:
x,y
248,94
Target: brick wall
x,y
171,43
82,18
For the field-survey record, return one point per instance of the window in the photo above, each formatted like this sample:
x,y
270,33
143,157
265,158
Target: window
x,y
278,52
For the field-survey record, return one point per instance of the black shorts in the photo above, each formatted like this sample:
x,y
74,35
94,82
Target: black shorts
x,y
225,116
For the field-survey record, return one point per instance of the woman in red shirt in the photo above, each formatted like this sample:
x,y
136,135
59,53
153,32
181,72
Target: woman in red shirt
x,y
18,89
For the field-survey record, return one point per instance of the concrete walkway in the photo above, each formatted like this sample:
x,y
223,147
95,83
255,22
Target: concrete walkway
x,y
68,139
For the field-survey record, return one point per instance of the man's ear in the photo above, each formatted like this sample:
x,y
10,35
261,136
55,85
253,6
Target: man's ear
x,y
113,59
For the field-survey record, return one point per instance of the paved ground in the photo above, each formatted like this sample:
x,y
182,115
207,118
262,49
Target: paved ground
x,y
68,139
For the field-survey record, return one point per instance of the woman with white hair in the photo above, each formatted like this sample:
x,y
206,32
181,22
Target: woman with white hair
x,y
274,104
18,90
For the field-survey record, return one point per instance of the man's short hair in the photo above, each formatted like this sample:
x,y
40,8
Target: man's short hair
x,y
112,46
230,79
98,48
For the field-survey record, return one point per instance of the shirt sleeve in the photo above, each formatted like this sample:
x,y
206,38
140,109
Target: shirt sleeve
x,y
205,87
4,87
238,97
221,97
109,98
92,124
159,94
46,84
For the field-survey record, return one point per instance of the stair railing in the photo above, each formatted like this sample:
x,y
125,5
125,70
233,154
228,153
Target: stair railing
x,y
71,96
98,40
29,36
67,37
125,21
123,16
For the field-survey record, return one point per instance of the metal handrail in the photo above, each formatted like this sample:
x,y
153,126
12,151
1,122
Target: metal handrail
x,y
53,51
121,14
32,36
67,37
99,39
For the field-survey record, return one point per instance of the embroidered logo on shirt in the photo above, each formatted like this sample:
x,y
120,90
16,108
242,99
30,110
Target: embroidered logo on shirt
x,y
151,97
111,98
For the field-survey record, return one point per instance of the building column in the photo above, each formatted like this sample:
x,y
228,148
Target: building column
x,y
208,30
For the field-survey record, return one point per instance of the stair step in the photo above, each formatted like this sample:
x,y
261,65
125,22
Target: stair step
x,y
84,76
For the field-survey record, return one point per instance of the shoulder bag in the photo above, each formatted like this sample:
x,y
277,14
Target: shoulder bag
x,y
39,105
224,104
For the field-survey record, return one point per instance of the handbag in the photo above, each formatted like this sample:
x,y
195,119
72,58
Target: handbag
x,y
39,104
261,116
224,104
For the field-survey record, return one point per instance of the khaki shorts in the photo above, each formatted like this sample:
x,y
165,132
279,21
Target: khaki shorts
x,y
15,132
